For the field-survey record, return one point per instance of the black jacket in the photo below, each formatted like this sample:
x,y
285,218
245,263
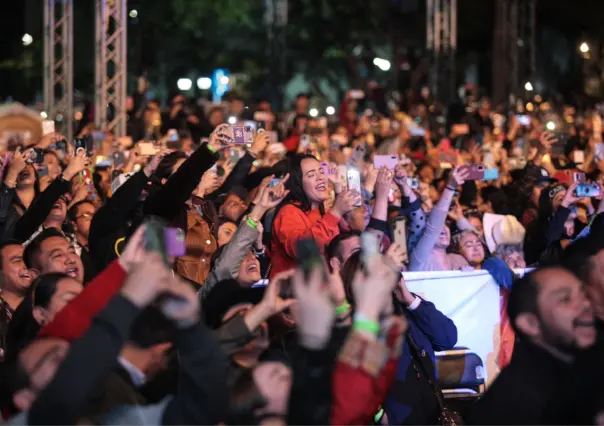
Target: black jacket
x,y
110,223
520,394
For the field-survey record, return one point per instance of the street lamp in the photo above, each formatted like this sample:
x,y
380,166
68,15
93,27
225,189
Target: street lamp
x,y
382,64
204,83
27,39
584,47
184,84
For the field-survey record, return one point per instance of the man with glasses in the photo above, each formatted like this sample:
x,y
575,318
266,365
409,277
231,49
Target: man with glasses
x,y
81,214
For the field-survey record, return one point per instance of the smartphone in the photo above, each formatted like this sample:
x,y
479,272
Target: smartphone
x,y
491,174
98,138
61,145
119,159
36,156
234,155
48,126
308,256
587,190
398,226
260,125
304,142
579,177
475,171
174,242
388,161
86,179
413,182
243,135
356,94
147,148
43,171
274,182
154,237
418,132
523,119
172,135
354,183
370,247
85,144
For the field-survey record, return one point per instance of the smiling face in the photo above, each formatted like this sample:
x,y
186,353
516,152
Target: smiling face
x,y
57,255
15,275
250,271
225,233
59,211
314,182
566,316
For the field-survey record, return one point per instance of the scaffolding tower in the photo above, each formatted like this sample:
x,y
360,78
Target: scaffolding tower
x,y
58,64
514,61
441,40
110,71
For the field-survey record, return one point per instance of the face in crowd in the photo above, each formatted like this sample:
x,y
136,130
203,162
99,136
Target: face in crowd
x,y
314,182
471,248
57,255
564,319
15,275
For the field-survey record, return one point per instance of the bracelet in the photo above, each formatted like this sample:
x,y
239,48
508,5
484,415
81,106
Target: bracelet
x,y
211,148
251,222
361,323
344,307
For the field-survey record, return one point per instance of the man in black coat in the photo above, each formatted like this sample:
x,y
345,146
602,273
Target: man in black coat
x,y
554,323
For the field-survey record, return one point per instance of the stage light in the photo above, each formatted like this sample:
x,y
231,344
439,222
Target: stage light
x,y
330,110
204,83
184,84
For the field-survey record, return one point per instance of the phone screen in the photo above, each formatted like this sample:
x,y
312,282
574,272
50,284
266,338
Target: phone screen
x,y
354,182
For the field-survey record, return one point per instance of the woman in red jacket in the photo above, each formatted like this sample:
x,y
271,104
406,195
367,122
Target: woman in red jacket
x,y
302,214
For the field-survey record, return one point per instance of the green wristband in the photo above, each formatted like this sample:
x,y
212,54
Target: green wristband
x,y
251,222
211,148
367,326
343,308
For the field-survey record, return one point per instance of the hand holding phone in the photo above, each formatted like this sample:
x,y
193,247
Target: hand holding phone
x,y
243,135
354,183
399,233
388,161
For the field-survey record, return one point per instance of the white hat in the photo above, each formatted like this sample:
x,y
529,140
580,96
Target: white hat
x,y
119,181
500,229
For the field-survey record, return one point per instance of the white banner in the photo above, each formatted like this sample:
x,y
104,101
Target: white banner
x,y
471,300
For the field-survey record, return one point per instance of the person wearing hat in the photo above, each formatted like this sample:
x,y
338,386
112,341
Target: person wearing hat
x,y
502,229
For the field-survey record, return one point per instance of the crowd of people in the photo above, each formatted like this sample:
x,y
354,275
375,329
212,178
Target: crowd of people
x,y
229,264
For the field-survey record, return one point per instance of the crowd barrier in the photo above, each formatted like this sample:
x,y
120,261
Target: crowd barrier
x,y
472,301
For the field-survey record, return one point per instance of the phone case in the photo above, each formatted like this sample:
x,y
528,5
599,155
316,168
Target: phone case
x,y
243,135
354,183
174,241
475,171
399,232
370,247
388,161
325,168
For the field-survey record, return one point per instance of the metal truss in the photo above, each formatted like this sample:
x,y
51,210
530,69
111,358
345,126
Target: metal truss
x,y
441,41
111,65
514,48
58,64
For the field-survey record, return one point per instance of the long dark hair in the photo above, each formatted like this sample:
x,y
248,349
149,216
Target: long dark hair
x,y
294,184
246,399
23,327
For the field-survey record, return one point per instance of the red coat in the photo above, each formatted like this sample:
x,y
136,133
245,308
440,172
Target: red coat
x,y
364,374
291,225
75,318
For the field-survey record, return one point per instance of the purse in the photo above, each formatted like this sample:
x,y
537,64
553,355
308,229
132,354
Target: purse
x,y
447,417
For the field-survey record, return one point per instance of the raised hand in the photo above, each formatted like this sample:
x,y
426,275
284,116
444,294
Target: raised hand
x,y
458,177
179,302
15,166
396,256
546,140
147,280
77,163
345,202
373,287
221,137
134,252
209,183
314,314
271,304
272,196
155,160
261,141
570,198
383,183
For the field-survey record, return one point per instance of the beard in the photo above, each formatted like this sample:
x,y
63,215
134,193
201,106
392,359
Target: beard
x,y
555,339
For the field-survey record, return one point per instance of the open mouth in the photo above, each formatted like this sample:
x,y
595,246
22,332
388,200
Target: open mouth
x,y
72,272
56,206
321,187
24,174
252,268
24,275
